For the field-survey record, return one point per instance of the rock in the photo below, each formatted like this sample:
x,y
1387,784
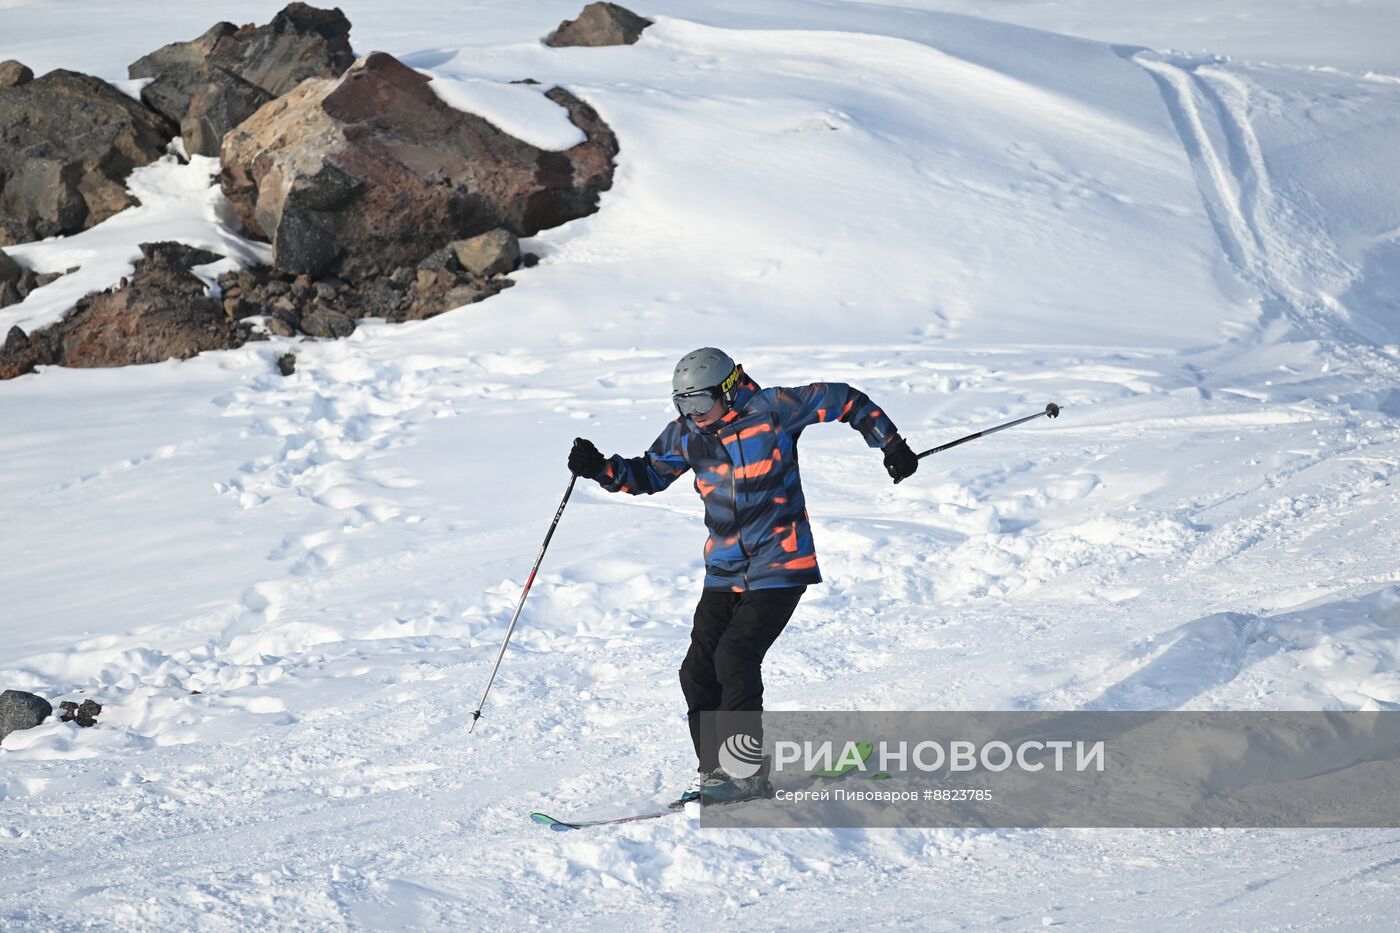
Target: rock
x,y
361,175
326,323
10,271
162,313
280,326
432,301
20,354
20,710
211,84
440,259
67,143
492,253
301,42
84,715
599,24
178,70
530,260
287,364
218,106
13,74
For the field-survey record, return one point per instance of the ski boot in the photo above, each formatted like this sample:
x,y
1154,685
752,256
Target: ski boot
x,y
693,792
721,788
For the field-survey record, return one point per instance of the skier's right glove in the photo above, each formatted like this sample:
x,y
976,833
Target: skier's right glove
x,y
900,461
584,459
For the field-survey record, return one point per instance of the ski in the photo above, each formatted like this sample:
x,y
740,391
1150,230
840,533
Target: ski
x,y
677,806
544,819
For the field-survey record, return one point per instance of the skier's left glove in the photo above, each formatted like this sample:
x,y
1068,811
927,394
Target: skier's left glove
x,y
900,461
584,459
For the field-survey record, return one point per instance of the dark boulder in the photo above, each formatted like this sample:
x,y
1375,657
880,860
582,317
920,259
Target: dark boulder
x,y
20,710
178,70
599,24
368,173
20,353
222,102
301,42
67,143
211,84
84,714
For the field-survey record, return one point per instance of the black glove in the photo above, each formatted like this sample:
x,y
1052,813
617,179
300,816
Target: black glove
x,y
900,461
584,459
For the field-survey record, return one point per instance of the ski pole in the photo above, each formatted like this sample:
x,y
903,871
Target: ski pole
x,y
521,605
1051,411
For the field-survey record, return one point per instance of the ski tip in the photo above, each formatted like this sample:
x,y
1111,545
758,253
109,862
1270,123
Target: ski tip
x,y
544,819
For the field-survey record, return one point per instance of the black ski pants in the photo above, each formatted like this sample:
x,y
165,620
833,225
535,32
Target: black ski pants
x,y
721,675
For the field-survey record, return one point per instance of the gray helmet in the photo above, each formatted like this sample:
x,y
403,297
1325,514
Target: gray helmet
x,y
702,370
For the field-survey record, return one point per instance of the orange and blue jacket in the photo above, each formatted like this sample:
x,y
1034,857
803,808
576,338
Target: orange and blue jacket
x,y
746,473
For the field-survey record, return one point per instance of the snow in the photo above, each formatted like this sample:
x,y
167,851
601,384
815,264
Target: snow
x,y
521,110
966,209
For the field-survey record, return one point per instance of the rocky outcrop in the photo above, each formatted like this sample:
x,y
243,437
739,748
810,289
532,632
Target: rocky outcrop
x,y
211,84
67,143
328,307
160,312
363,175
13,74
599,24
20,710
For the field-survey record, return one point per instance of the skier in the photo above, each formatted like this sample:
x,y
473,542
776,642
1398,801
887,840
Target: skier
x,y
741,441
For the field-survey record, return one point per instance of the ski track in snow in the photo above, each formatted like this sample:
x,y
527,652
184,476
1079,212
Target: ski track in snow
x,y
283,741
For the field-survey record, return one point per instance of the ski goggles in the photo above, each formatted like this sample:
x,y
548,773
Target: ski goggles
x,y
693,404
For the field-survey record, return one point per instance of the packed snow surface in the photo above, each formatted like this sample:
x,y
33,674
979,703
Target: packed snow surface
x,y
288,592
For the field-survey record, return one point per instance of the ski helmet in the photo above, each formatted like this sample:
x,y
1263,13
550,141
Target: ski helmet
x,y
703,377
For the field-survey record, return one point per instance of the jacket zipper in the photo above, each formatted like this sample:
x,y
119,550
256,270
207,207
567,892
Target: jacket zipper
x,y
734,488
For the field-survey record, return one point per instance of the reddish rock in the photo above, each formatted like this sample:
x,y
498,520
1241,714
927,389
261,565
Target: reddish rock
x,y
364,174
162,313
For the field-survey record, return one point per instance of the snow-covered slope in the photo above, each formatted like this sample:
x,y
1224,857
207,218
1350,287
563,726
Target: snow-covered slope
x,y
1194,255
